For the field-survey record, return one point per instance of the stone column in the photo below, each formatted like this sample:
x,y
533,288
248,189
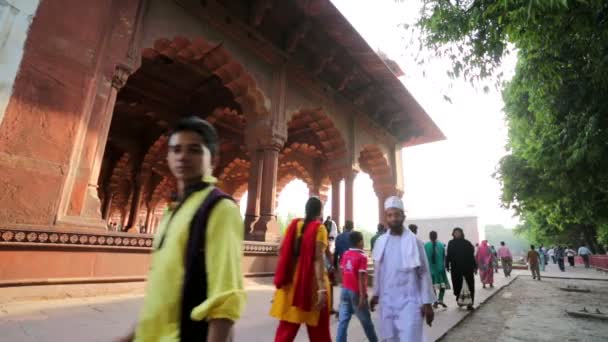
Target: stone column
x,y
349,195
335,199
80,204
266,227
381,199
254,191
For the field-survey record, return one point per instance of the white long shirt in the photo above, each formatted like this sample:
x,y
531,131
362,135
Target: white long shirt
x,y
401,291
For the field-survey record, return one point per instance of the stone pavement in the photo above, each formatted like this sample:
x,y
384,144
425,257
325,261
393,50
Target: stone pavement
x,y
105,318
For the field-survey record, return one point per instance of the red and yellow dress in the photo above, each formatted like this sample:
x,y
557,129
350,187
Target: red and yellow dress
x,y
290,305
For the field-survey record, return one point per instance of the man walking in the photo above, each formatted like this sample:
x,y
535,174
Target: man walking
x,y
506,259
584,252
195,284
381,230
533,260
402,280
570,253
343,242
560,253
551,254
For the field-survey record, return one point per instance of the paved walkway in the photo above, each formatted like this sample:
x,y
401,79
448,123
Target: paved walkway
x,y
105,318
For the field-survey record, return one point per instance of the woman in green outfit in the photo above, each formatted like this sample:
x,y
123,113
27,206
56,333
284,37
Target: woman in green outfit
x,y
435,252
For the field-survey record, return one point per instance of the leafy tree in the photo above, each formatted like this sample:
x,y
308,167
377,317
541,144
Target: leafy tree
x,y
556,105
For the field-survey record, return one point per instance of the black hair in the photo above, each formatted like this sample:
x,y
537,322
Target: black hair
x,y
203,128
355,237
458,229
413,227
313,210
433,236
531,246
502,243
380,226
348,225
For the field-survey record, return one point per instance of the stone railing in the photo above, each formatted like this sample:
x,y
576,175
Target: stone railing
x,y
64,238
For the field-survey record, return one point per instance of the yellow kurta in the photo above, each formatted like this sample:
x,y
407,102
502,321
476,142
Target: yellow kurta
x,y
282,307
159,319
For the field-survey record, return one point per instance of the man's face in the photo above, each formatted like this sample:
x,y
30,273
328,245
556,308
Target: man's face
x,y
188,158
394,218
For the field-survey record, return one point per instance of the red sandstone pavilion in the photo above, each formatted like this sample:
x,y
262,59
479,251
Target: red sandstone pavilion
x,y
293,90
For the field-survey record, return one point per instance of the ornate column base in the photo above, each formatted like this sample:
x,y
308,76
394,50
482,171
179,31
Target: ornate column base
x,y
266,228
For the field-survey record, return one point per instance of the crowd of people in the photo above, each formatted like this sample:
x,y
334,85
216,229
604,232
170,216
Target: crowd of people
x,y
195,285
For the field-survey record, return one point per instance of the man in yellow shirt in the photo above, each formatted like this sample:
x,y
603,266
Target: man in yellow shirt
x,y
195,285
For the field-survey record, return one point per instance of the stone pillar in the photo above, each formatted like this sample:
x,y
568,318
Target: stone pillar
x,y
266,227
335,199
349,181
254,191
107,210
149,215
381,199
80,204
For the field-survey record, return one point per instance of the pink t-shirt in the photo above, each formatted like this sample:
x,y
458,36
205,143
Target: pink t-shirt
x,y
504,252
353,262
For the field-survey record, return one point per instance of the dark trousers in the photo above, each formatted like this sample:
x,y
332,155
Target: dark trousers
x,y
586,260
560,263
571,261
553,258
457,278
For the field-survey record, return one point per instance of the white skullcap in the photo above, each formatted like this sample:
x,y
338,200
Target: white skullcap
x,y
394,202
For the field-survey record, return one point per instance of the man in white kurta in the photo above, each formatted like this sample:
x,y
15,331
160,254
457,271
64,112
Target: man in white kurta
x,y
402,281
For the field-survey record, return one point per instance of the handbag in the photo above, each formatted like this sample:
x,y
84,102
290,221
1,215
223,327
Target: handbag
x,y
464,298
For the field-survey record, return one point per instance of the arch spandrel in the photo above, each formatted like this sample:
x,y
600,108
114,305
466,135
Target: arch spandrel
x,y
372,161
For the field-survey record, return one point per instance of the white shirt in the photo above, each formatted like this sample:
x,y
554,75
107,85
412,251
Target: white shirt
x,y
583,251
396,285
551,252
401,291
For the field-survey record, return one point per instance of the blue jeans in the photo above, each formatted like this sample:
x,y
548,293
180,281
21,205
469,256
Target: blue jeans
x,y
349,305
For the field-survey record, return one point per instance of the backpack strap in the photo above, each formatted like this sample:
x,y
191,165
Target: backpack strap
x,y
194,290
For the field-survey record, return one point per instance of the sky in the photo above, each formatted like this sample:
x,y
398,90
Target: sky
x,y
447,178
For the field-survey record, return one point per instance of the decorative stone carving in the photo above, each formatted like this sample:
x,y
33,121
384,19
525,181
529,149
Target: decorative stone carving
x,y
121,74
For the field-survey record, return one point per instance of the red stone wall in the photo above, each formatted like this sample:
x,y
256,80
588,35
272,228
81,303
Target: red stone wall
x,y
42,117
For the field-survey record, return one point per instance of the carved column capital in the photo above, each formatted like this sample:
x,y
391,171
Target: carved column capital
x,y
121,74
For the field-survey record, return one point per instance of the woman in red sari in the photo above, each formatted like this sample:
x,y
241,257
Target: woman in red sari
x,y
301,279
485,264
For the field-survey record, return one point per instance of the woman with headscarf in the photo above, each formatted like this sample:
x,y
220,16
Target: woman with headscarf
x,y
460,261
435,253
301,279
484,262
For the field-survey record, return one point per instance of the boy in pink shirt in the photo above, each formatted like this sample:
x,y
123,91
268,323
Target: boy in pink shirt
x,y
353,299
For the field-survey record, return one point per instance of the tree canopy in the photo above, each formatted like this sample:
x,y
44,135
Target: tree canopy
x,y
556,104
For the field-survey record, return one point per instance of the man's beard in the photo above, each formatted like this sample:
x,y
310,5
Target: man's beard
x,y
396,225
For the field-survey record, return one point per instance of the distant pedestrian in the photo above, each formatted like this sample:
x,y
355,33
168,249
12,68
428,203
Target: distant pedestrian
x,y
584,252
435,253
353,299
541,256
533,260
545,256
560,254
332,231
343,242
484,262
460,262
551,254
506,259
570,253
494,258
380,230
